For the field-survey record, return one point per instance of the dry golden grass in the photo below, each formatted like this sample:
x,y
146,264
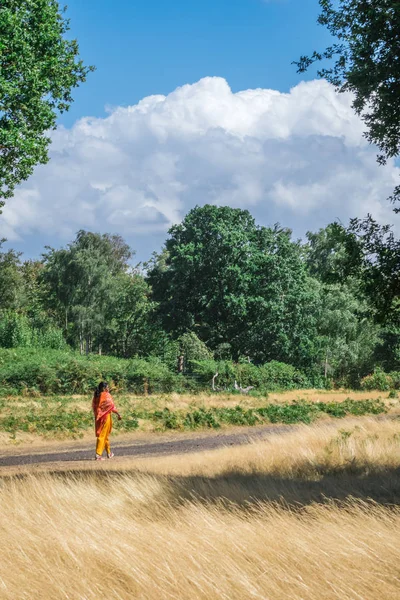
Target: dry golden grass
x,y
175,401
312,514
19,407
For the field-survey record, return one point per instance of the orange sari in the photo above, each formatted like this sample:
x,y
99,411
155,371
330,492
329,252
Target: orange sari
x,y
102,405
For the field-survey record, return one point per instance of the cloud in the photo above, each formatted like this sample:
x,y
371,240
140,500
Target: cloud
x,y
297,158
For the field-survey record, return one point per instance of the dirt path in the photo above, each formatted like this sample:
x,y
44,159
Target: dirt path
x,y
158,448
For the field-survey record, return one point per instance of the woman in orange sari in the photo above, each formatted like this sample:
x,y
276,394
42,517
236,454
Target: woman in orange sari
x,y
103,407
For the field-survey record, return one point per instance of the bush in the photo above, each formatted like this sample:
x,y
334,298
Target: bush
x,y
193,349
395,377
40,371
272,376
56,418
24,370
378,380
16,331
280,376
153,373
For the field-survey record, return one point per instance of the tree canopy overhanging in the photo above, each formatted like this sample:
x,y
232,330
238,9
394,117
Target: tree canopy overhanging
x,y
366,62
39,67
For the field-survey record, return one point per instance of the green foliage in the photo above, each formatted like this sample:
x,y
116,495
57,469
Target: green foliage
x,y
156,374
378,380
201,418
387,350
366,59
39,68
52,372
273,376
381,268
333,254
348,336
60,420
235,283
10,278
84,281
280,376
192,349
128,329
298,412
226,290
352,407
35,371
16,331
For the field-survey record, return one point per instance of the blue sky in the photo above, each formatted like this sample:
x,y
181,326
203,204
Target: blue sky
x,y
194,103
145,47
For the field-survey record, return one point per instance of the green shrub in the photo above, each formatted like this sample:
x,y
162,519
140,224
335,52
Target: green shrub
x,y
272,376
50,418
154,373
193,349
25,370
298,412
167,419
200,418
17,331
280,376
44,371
395,377
378,380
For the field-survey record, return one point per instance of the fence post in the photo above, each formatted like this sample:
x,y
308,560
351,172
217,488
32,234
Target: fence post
x,y
146,386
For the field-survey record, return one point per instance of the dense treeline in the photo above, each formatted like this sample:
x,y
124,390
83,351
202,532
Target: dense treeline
x,y
223,289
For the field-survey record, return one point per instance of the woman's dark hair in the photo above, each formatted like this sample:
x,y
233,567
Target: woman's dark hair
x,y
103,385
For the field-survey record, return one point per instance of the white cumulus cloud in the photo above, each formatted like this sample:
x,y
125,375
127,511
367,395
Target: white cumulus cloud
x,y
299,159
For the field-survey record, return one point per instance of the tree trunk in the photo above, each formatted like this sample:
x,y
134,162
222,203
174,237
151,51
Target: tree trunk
x,y
213,381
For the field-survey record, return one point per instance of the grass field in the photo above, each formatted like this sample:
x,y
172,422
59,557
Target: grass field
x,y
24,419
312,514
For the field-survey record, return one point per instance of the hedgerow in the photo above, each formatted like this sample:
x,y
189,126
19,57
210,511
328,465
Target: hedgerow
x,y
37,372
56,372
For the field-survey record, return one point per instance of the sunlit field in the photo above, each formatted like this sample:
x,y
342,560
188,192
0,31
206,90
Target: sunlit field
x,y
47,419
312,514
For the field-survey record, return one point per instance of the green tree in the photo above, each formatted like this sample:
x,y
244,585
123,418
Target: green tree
x,y
191,348
380,251
129,328
381,283
367,63
11,283
80,282
232,282
333,254
348,333
39,68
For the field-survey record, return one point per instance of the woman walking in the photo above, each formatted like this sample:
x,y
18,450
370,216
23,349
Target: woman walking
x,y
103,406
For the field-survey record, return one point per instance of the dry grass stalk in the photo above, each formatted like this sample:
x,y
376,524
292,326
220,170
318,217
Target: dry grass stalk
x,y
290,519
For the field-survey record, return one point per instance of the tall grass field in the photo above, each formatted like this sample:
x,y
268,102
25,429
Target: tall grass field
x,y
312,514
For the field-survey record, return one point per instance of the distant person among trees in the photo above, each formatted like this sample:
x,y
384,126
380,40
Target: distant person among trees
x,y
103,406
